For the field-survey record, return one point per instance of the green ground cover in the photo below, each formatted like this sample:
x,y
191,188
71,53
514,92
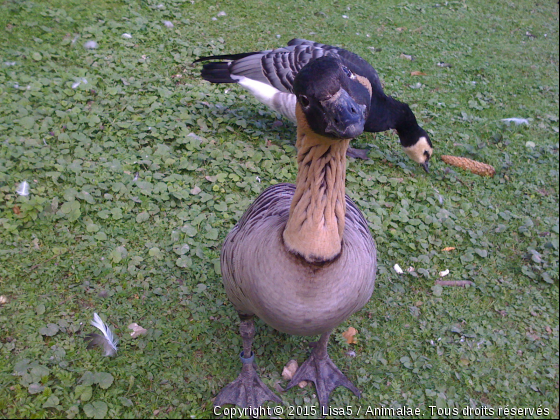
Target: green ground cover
x,y
137,169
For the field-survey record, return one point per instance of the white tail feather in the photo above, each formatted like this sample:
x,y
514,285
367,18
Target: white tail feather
x,y
111,341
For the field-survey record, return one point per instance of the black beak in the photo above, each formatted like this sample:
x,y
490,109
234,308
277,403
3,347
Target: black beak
x,y
345,117
426,167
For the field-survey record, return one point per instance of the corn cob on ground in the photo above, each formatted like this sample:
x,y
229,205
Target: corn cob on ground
x,y
475,167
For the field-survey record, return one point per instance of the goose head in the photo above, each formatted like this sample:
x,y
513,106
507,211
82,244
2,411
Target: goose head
x,y
335,104
419,147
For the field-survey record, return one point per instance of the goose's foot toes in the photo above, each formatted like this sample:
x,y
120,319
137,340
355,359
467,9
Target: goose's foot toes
x,y
247,390
326,376
357,153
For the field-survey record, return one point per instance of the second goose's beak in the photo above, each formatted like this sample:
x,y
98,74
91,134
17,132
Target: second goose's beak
x,y
426,167
345,117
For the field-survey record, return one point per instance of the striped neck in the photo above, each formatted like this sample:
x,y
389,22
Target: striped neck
x,y
317,213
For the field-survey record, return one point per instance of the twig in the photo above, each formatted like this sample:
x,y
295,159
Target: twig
x,y
46,261
457,283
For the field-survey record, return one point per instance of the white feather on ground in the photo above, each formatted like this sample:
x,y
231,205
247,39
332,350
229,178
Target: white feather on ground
x,y
517,121
107,341
23,189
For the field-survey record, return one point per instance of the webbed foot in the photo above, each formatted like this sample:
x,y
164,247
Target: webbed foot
x,y
247,390
320,369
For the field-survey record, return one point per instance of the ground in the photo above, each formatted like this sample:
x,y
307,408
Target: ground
x,y
136,169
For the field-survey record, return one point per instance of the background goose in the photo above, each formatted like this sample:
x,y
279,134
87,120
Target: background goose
x,y
269,76
302,257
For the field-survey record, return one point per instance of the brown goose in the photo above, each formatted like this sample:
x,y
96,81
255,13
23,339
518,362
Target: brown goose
x,y
302,257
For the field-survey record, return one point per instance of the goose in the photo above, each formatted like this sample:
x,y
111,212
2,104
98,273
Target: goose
x,y
302,258
269,76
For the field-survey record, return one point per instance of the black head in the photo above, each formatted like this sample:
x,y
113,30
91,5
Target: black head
x,y
334,102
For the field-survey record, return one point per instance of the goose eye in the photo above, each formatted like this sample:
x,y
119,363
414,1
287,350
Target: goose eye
x,y
304,101
348,72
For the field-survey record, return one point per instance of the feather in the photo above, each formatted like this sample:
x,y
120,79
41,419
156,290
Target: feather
x,y
107,341
517,121
23,189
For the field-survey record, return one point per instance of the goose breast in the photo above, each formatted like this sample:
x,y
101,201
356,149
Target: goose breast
x,y
284,290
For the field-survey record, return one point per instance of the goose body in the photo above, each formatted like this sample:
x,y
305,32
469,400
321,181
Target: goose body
x,y
302,257
269,75
297,297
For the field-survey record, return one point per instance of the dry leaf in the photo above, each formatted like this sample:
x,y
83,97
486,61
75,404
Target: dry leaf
x,y
448,248
196,190
417,73
303,384
289,370
349,335
137,330
455,283
16,210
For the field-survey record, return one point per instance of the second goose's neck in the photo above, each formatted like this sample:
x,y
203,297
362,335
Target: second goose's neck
x,y
387,113
316,221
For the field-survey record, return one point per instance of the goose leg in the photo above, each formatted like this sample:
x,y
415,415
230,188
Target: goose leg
x,y
247,390
357,153
320,369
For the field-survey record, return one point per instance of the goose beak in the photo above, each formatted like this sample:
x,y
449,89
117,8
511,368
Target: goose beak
x,y
345,117
426,167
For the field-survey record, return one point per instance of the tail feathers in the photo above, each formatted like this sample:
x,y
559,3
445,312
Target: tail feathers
x,y
217,73
225,57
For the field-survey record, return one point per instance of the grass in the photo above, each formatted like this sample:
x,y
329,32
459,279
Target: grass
x,y
137,175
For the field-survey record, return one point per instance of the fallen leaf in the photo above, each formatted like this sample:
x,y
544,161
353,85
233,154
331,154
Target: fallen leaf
x,y
137,330
417,73
16,210
407,57
457,283
448,248
349,335
289,370
196,190
302,384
